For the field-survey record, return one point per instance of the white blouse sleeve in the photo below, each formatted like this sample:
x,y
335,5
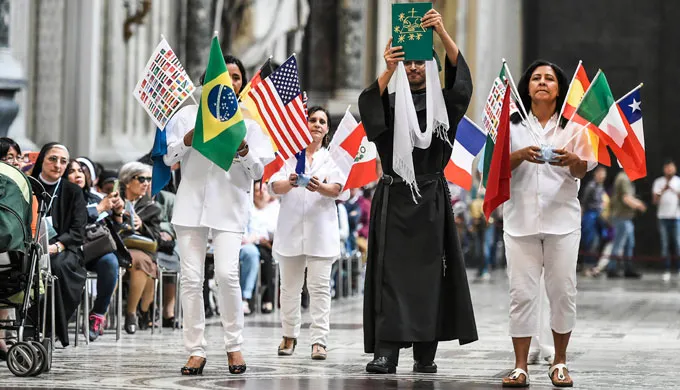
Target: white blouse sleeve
x,y
178,126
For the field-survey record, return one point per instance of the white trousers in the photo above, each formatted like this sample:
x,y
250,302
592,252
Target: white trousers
x,y
192,245
530,256
319,286
544,343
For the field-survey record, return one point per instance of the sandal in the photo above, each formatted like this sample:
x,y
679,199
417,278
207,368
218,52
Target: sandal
x,y
562,379
514,379
284,349
186,370
236,368
320,353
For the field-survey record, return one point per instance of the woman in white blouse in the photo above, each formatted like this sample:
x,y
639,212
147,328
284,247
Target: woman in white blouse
x,y
542,221
210,199
307,235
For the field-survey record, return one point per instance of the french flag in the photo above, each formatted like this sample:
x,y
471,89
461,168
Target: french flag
x,y
470,139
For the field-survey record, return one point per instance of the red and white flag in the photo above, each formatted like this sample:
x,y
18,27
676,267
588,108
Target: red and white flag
x,y
346,142
279,101
365,168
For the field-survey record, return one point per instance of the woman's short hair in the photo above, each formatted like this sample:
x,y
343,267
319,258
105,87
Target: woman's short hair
x,y
523,87
6,144
311,110
132,169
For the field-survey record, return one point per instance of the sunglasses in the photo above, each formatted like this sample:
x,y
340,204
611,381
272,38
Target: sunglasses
x,y
55,159
143,179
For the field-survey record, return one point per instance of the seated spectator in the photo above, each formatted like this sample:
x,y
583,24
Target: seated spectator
x,y
106,266
66,218
364,218
260,234
92,171
168,256
141,232
107,180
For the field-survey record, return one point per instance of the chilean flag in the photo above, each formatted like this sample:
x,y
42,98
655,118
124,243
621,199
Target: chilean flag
x,y
635,161
470,139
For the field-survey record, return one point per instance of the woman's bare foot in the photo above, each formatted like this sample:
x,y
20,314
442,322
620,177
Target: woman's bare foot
x,y
235,358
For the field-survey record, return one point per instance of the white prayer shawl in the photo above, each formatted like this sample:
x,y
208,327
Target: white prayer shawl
x,y
407,133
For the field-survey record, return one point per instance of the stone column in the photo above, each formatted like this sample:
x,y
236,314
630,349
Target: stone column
x,y
319,51
199,32
11,74
349,64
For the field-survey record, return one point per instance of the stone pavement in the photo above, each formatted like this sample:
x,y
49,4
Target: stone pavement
x,y
627,337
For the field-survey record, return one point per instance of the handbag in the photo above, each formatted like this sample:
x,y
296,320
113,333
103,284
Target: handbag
x,y
137,241
98,242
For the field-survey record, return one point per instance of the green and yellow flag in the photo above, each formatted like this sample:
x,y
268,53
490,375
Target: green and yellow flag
x,y
219,126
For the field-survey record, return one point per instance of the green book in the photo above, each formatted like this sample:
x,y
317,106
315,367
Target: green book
x,y
407,31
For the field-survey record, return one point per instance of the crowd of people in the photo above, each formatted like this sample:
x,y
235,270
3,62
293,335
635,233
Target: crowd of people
x,y
414,242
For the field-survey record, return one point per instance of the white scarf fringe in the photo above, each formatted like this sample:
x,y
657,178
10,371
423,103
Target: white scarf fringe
x,y
407,134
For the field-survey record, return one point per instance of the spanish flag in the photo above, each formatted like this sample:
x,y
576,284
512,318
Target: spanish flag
x,y
219,128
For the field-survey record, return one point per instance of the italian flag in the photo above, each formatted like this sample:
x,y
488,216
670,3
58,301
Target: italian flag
x,y
577,88
599,107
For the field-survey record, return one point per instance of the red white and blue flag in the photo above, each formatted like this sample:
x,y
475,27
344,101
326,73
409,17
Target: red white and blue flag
x,y
631,154
469,141
279,101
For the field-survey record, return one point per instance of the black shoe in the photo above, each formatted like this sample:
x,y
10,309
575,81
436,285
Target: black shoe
x,y
632,274
3,355
194,370
144,319
429,368
613,275
381,365
170,323
209,312
131,323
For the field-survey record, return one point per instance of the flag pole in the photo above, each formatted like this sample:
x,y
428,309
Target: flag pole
x,y
631,91
219,7
513,89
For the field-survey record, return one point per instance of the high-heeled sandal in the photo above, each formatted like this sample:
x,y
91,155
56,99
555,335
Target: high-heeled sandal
x,y
236,368
186,370
321,353
283,351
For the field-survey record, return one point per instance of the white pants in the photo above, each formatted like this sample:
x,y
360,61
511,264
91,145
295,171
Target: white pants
x,y
192,245
528,257
544,343
319,286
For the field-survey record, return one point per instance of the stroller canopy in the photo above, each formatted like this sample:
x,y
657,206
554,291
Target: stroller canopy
x,y
15,209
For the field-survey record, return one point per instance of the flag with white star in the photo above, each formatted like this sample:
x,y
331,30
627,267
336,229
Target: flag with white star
x,y
219,128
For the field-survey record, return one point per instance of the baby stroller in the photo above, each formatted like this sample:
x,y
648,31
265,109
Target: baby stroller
x,y
20,273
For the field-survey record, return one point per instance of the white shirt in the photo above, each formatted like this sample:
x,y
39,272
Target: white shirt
x,y
543,197
669,203
308,221
208,195
263,221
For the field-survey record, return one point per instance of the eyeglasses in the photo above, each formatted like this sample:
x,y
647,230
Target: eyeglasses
x,y
143,179
55,159
12,159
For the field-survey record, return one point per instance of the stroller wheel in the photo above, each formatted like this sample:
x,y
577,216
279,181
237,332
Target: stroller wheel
x,y
47,343
41,357
21,359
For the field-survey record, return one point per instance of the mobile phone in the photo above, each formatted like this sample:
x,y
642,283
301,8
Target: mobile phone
x,y
116,184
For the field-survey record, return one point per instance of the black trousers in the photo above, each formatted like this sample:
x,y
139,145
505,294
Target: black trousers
x,y
423,352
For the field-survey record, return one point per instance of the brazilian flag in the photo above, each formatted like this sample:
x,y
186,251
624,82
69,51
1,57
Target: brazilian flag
x,y
219,126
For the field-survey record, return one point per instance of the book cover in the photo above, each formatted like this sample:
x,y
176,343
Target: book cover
x,y
408,32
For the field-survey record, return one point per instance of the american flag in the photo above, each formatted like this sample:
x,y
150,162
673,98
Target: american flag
x,y
279,100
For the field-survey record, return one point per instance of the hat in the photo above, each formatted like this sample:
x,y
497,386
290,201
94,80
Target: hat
x,y
107,177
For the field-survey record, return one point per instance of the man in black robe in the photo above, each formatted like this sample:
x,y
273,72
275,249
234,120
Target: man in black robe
x,y
416,290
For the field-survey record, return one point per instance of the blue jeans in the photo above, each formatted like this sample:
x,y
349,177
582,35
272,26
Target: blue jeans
x,y
488,248
106,268
249,257
669,231
624,243
590,235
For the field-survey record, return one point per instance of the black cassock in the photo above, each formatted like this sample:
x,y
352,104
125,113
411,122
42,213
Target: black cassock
x,y
416,286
